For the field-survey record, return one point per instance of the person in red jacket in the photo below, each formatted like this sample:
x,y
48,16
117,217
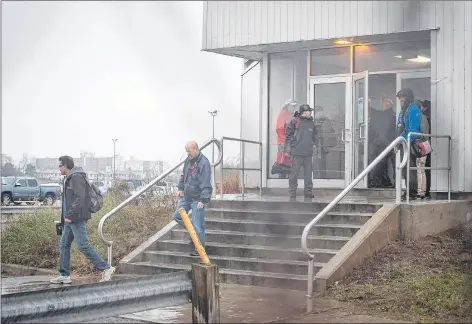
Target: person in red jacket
x,y
284,117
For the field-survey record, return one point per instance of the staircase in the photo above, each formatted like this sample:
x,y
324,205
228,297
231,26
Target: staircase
x,y
258,242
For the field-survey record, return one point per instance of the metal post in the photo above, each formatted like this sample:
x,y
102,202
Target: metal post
x,y
407,195
398,178
110,254
114,159
309,296
260,158
221,166
213,145
242,169
449,171
213,114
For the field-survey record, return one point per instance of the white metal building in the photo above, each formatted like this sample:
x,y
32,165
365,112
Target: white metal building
x,y
325,52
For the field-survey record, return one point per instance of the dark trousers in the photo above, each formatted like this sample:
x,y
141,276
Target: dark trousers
x,y
299,161
413,174
428,175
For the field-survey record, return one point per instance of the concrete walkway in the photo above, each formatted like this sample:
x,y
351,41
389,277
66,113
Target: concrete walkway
x,y
238,304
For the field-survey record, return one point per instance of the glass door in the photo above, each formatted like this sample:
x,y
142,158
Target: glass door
x,y
331,152
419,82
360,106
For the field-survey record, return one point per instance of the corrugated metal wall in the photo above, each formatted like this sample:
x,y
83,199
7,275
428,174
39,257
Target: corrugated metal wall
x,y
451,73
240,23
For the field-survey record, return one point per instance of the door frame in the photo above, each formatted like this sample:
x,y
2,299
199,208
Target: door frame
x,y
417,74
346,79
355,77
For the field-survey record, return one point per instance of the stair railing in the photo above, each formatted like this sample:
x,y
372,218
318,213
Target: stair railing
x,y
146,188
448,168
398,141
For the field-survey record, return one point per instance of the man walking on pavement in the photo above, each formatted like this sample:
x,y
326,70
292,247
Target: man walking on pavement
x,y
75,214
195,190
300,138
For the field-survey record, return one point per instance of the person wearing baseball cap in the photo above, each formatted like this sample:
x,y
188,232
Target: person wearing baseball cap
x,y
300,138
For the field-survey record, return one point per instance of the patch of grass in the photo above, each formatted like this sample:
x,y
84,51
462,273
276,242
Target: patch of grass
x,y
425,281
31,239
231,184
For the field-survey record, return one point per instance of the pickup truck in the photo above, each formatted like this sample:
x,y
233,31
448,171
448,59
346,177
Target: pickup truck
x,y
26,189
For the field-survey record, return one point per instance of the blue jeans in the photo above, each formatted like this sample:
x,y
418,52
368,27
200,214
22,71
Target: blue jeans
x,y
78,231
198,217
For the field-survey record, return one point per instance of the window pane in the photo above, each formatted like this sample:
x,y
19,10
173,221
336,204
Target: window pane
x,y
287,81
330,113
329,61
22,182
392,56
32,183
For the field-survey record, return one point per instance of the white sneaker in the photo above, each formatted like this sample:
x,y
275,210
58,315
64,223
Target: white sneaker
x,y
61,280
106,274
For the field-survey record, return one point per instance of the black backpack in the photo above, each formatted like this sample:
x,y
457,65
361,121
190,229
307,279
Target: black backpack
x,y
94,196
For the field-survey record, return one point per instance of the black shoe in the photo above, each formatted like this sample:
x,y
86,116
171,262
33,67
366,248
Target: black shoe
x,y
194,253
427,196
309,196
293,198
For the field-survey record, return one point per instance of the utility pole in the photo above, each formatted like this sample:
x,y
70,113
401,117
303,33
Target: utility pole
x,y
114,159
213,114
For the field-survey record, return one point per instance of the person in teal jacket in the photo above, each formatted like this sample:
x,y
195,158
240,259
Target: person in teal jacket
x,y
408,121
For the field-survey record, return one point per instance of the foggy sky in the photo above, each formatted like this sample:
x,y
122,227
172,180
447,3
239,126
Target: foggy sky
x,y
77,74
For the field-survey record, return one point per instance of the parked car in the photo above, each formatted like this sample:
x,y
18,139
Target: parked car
x,y
27,189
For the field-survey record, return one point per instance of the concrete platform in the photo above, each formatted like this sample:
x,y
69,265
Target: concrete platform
x,y
239,304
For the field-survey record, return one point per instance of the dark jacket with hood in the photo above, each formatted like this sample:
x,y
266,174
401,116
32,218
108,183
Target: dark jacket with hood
x,y
75,196
300,140
195,182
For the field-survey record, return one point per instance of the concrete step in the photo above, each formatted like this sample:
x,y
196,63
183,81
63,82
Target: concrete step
x,y
281,228
285,216
247,251
234,263
245,238
241,277
300,206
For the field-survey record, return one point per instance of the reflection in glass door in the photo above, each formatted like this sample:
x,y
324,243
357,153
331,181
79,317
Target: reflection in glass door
x,y
329,96
419,82
360,86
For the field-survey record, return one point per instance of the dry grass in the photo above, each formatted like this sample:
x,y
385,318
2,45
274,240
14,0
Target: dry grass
x,y
31,239
231,184
429,280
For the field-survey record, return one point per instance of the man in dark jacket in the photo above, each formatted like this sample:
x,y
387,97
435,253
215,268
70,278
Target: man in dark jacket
x,y
426,105
300,138
75,214
195,190
381,134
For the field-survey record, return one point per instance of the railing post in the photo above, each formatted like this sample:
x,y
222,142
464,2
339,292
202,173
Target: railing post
x,y
221,167
260,158
242,169
205,293
110,254
309,296
449,164
408,148
398,178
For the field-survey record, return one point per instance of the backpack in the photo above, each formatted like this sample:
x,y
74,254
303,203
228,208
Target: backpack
x,y
424,124
94,196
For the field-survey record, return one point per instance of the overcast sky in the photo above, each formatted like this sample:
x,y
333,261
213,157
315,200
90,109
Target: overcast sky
x,y
77,74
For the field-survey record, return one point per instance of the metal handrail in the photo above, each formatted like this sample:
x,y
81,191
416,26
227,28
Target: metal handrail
x,y
146,187
309,226
448,168
242,168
